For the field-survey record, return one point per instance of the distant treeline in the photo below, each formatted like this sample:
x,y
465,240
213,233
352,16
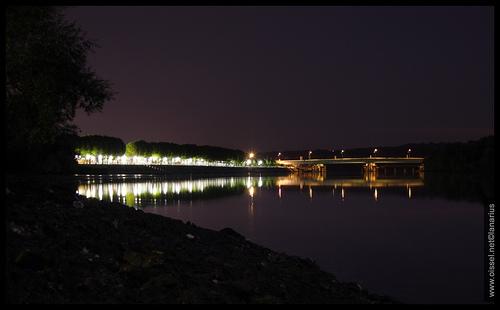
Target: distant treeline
x,y
472,156
95,145
143,148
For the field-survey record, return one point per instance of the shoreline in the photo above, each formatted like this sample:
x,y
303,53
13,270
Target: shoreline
x,y
178,171
63,248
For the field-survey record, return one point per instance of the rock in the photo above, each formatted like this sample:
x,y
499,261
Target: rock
x,y
141,260
28,259
18,229
78,204
232,232
161,281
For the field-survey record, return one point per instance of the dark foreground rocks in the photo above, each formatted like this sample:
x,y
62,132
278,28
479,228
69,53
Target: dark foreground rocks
x,y
63,248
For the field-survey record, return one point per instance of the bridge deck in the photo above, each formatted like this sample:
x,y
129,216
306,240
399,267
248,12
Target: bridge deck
x,y
361,160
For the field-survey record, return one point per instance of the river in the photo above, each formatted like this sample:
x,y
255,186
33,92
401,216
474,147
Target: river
x,y
400,236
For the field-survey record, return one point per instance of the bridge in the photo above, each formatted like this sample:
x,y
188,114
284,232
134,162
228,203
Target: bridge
x,y
370,164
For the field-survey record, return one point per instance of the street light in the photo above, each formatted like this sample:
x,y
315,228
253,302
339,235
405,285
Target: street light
x,y
342,153
408,153
310,152
279,155
374,152
251,155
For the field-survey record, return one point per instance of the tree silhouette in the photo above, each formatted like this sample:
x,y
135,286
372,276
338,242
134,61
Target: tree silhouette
x,y
47,79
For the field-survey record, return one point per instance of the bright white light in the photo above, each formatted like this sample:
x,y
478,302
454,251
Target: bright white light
x,y
248,162
259,162
251,191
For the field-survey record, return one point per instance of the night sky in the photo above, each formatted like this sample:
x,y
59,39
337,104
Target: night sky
x,y
284,78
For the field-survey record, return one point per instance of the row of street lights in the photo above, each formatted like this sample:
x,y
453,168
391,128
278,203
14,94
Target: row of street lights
x,y
408,153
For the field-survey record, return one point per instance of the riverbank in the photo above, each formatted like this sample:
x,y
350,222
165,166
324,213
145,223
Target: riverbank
x,y
64,248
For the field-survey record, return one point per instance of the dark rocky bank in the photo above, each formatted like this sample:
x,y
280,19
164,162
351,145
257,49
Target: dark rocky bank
x,y
63,248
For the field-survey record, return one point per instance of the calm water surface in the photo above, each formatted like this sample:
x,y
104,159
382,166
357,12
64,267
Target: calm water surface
x,y
390,235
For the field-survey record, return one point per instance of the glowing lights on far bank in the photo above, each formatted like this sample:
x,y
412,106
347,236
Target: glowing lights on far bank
x,y
102,159
156,160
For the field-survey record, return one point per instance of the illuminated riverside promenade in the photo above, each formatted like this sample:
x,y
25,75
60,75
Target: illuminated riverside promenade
x,y
164,161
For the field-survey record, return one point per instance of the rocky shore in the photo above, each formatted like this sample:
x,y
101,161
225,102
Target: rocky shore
x,y
64,248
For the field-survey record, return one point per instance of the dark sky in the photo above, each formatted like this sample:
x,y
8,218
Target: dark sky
x,y
282,78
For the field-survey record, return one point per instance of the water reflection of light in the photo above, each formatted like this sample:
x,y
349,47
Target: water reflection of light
x,y
131,191
251,191
93,189
249,182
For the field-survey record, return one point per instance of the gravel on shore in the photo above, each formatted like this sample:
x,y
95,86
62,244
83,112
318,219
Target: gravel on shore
x,y
64,248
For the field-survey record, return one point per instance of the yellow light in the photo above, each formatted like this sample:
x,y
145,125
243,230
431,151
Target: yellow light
x,y
251,155
251,191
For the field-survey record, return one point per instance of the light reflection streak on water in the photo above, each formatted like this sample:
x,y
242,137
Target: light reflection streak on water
x,y
155,189
134,192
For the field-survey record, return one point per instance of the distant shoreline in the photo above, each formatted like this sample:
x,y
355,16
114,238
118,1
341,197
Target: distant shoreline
x,y
170,170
